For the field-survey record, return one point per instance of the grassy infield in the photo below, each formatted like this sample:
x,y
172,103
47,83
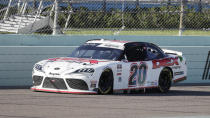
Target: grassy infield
x,y
141,32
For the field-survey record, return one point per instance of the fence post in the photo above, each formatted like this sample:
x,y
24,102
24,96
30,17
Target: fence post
x,y
55,18
52,9
18,5
137,4
104,5
69,16
181,18
199,6
24,8
38,10
7,11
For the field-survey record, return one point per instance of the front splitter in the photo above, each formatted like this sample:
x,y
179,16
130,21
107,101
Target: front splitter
x,y
61,91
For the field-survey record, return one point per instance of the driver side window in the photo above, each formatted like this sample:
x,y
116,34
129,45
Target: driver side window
x,y
153,53
137,53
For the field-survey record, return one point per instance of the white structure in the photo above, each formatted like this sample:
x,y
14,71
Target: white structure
x,y
25,23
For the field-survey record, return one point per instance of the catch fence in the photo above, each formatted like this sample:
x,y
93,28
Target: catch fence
x,y
104,16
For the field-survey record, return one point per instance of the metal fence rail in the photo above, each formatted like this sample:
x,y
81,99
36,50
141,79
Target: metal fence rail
x,y
112,15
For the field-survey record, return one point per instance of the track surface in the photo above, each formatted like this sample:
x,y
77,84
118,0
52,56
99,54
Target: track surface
x,y
180,102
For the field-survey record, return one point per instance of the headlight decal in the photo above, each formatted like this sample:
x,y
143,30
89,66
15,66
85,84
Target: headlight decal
x,y
85,70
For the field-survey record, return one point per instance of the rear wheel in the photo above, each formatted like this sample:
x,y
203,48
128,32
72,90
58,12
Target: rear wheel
x,y
105,85
165,80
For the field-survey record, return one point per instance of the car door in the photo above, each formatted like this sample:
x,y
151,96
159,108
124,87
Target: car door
x,y
137,67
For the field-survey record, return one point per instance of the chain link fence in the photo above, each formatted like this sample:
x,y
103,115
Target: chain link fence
x,y
126,17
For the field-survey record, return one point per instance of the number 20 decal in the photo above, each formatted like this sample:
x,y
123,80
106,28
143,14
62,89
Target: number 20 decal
x,y
137,74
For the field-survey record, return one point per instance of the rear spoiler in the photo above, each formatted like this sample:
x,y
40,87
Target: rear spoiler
x,y
166,51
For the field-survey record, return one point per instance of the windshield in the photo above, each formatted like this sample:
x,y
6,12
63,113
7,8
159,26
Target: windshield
x,y
90,50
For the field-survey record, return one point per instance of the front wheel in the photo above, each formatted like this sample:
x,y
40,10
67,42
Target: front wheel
x,y
165,80
105,85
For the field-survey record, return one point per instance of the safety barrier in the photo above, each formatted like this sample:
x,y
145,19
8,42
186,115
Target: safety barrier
x,y
18,53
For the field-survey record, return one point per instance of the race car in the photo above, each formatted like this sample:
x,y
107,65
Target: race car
x,y
105,66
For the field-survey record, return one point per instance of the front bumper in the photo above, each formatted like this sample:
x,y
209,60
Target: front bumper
x,y
78,85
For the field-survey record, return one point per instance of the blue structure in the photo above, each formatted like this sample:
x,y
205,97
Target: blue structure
x,y
96,5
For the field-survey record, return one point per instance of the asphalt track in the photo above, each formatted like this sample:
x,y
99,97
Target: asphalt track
x,y
180,102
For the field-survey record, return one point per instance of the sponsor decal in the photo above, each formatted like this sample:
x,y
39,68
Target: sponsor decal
x,y
118,74
119,71
180,58
93,84
179,73
137,74
156,82
119,79
53,80
77,60
57,68
93,61
176,67
119,68
152,83
206,72
108,45
165,62
179,79
54,73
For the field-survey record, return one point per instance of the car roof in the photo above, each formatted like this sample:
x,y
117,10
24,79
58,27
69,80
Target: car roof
x,y
106,40
117,43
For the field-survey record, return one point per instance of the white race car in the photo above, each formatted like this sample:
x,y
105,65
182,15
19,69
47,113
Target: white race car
x,y
105,66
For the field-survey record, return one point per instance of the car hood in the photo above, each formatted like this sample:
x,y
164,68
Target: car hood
x,y
68,65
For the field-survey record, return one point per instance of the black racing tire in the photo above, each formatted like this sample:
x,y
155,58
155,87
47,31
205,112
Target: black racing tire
x,y
164,82
105,85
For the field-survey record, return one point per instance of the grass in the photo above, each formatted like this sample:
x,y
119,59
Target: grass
x,y
140,32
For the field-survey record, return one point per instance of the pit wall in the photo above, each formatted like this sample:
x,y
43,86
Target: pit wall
x,y
18,53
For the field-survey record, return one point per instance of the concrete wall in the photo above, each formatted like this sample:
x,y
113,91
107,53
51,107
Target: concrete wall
x,y
18,53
